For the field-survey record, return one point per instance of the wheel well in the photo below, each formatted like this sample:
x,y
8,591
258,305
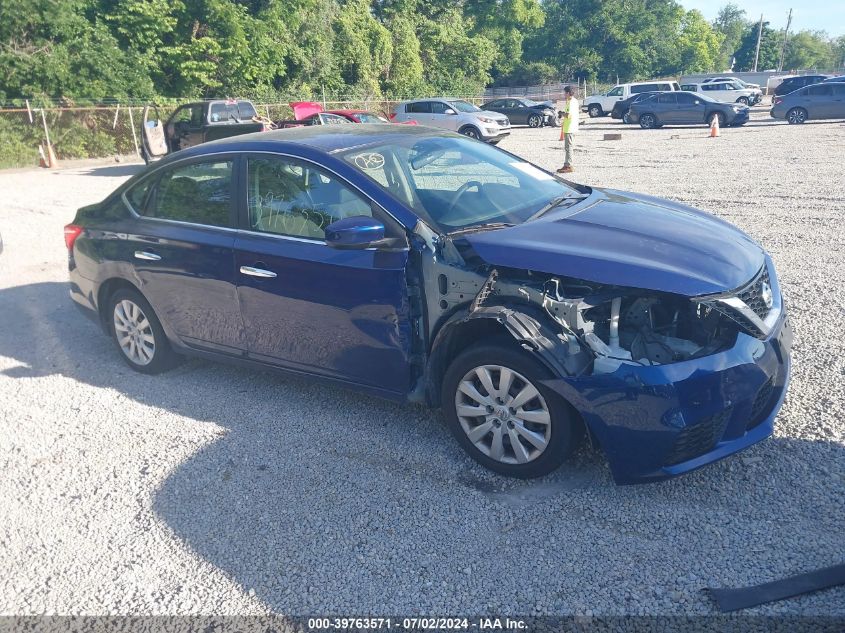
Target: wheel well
x,y
451,342
107,289
467,126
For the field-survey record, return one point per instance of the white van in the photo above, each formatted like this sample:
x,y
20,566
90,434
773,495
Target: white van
x,y
601,105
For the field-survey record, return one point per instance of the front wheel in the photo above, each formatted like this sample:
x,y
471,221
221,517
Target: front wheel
x,y
138,333
503,416
796,116
470,131
648,121
535,120
626,118
719,117
595,110
742,100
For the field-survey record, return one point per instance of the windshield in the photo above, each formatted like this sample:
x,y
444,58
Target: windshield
x,y
457,183
464,106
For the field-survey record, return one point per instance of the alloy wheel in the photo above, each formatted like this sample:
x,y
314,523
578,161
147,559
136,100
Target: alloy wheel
x,y
503,414
534,121
133,332
471,132
796,115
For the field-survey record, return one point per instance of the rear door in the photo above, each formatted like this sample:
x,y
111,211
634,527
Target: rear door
x,y
419,111
181,250
820,103
666,109
307,306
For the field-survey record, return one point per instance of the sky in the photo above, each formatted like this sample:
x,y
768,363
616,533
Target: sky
x,y
815,15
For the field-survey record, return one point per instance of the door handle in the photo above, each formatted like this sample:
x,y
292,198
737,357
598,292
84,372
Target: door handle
x,y
146,255
257,272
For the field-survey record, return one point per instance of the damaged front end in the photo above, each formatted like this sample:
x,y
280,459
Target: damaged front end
x,y
664,383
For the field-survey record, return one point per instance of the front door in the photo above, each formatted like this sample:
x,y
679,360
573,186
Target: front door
x,y
690,109
181,250
310,307
440,118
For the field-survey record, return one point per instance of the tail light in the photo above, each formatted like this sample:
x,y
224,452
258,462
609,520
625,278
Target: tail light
x,y
392,115
72,231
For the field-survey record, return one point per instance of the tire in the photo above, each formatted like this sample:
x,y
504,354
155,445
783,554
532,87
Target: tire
x,y
595,110
648,121
470,131
554,430
626,118
743,100
718,115
535,120
796,116
130,316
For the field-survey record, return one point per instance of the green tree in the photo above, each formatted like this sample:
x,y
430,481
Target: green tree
x,y
732,24
810,49
769,48
699,45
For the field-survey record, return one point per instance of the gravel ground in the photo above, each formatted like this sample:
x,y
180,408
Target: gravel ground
x,y
219,490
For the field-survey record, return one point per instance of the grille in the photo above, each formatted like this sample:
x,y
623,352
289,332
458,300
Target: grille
x,y
752,295
760,407
699,438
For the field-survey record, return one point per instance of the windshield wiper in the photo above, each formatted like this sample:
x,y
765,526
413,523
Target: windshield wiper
x,y
556,202
480,227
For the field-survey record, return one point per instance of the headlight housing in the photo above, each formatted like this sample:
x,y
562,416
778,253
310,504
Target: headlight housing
x,y
488,120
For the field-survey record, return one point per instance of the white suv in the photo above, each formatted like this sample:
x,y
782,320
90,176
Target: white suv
x,y
456,115
602,105
726,91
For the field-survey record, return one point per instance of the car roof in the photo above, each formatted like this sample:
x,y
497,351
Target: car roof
x,y
325,138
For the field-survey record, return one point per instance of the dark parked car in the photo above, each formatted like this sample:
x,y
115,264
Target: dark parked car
x,y
195,123
424,266
524,111
821,101
620,108
685,108
791,84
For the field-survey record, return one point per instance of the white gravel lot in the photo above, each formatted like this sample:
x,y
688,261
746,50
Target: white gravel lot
x,y
219,490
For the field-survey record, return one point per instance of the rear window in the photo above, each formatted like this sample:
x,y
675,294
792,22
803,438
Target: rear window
x,y
688,87
232,111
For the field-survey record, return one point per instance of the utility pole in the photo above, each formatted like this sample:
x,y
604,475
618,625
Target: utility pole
x,y
759,37
785,39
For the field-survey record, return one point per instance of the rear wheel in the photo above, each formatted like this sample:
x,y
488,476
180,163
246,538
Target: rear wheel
x,y
503,416
796,115
470,131
626,118
535,120
595,110
648,121
138,333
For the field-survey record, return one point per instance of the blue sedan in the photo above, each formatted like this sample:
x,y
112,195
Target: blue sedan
x,y
420,265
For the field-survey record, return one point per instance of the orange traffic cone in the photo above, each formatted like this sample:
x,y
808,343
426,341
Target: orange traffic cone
x,y
714,126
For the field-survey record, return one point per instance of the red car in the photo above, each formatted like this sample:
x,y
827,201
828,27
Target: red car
x,y
312,113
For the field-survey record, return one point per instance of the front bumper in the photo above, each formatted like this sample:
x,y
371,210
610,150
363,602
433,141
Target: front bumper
x,y
659,422
493,135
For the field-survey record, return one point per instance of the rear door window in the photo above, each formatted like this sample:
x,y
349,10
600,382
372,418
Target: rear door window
x,y
199,193
419,107
822,90
685,98
668,98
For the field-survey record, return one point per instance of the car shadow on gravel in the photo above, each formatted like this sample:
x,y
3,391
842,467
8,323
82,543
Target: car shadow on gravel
x,y
320,500
113,171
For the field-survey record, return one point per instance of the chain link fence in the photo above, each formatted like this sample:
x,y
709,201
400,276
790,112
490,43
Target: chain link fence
x,y
114,130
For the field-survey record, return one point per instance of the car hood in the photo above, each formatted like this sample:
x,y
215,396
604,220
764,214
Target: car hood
x,y
628,240
489,113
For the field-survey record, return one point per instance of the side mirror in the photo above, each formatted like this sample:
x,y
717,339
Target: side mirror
x,y
449,111
355,232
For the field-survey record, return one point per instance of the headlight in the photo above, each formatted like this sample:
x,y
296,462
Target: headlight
x,y
485,119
